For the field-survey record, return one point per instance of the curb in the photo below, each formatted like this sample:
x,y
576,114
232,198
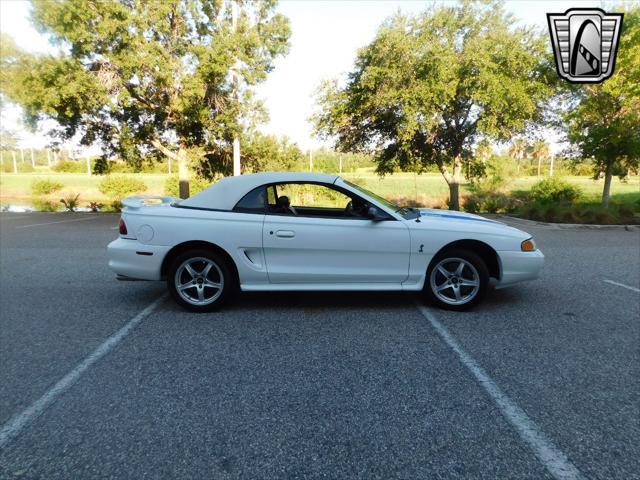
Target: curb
x,y
564,226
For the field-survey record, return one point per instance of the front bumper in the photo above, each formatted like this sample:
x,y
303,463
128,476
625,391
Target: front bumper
x,y
132,259
519,267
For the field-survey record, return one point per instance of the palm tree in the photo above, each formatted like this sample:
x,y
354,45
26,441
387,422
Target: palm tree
x,y
484,150
540,150
518,149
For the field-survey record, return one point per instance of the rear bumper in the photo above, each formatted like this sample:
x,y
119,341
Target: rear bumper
x,y
131,259
519,267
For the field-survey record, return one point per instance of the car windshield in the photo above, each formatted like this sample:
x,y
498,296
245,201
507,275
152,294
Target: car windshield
x,y
406,212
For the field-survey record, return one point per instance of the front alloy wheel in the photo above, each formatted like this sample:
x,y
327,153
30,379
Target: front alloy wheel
x,y
457,279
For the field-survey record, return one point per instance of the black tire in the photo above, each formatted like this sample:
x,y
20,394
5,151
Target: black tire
x,y
220,272
454,257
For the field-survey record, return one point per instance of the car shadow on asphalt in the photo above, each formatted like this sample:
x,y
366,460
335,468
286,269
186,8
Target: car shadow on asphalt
x,y
324,301
291,301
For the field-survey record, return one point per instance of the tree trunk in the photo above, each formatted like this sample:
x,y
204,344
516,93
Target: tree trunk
x,y
539,164
453,181
236,157
183,166
454,199
454,185
607,186
183,173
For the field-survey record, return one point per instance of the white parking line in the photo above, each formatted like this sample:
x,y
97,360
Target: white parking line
x,y
17,423
628,287
551,457
59,221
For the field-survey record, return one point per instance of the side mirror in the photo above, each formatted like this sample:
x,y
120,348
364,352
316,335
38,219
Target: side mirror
x,y
374,214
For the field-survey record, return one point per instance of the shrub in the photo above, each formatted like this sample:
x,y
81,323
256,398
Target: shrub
x,y
67,166
555,190
22,167
581,168
404,201
43,204
116,206
585,214
570,216
493,175
626,214
70,202
118,187
7,167
472,203
95,206
44,187
490,203
196,185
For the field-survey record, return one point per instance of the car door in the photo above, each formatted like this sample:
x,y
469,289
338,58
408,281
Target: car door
x,y
332,248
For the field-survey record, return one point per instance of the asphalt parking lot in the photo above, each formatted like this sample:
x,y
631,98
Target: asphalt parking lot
x,y
296,385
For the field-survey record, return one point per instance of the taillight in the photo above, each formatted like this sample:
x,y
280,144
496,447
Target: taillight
x,y
122,226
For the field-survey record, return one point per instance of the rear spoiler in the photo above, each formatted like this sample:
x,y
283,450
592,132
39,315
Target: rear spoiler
x,y
138,201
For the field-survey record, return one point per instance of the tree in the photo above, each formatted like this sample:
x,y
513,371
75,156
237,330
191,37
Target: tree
x,y
8,139
484,150
263,153
603,121
539,151
143,77
427,87
518,149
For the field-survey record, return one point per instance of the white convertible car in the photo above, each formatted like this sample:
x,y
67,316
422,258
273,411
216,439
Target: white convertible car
x,y
304,231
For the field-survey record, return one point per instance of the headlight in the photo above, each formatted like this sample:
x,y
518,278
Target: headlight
x,y
528,245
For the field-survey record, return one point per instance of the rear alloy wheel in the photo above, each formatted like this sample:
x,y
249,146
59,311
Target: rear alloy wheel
x,y
199,280
457,279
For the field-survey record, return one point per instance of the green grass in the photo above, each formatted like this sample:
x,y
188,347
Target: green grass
x,y
433,186
429,188
16,188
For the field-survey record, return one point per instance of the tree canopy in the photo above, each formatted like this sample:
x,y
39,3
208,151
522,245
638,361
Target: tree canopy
x,y
141,76
428,87
603,121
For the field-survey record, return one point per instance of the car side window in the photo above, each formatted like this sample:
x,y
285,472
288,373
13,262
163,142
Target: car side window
x,y
314,200
271,194
253,202
312,195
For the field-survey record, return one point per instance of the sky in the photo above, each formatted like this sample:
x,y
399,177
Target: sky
x,y
325,38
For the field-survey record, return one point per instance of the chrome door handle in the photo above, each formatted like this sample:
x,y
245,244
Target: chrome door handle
x,y
285,233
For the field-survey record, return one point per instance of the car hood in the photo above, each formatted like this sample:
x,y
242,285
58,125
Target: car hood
x,y
467,222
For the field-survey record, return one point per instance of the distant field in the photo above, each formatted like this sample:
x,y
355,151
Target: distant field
x,y
16,188
434,186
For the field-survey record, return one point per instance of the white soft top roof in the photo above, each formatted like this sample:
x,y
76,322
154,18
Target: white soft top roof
x,y
224,194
